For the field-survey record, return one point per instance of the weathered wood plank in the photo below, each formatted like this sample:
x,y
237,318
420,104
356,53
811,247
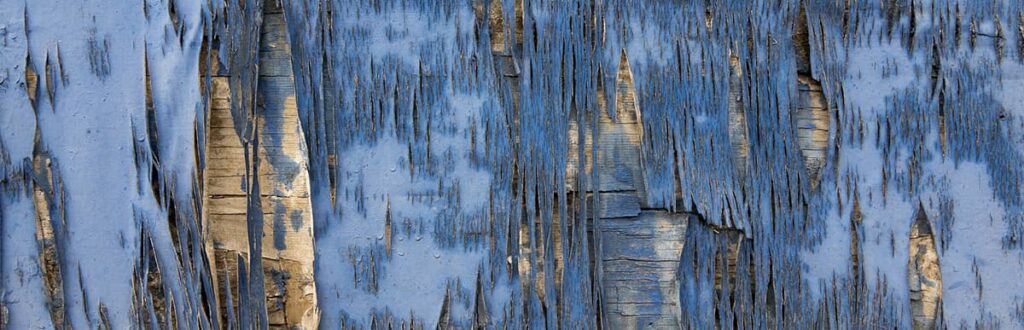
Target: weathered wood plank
x,y
618,142
287,245
618,205
641,258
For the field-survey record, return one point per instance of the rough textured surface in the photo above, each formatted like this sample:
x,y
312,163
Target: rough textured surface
x,y
511,164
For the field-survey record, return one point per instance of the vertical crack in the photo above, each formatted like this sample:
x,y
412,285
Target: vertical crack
x,y
444,321
856,218
497,26
812,109
48,200
31,82
924,276
387,227
939,85
481,317
737,114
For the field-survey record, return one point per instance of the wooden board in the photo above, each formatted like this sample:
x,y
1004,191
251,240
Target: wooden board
x,y
640,261
288,239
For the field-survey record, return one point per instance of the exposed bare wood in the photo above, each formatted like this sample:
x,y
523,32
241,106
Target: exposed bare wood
x,y
287,214
924,276
641,258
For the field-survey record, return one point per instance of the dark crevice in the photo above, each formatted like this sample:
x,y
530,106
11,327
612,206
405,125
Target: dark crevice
x,y
1020,37
939,85
801,41
481,317
444,321
49,77
856,218
387,227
